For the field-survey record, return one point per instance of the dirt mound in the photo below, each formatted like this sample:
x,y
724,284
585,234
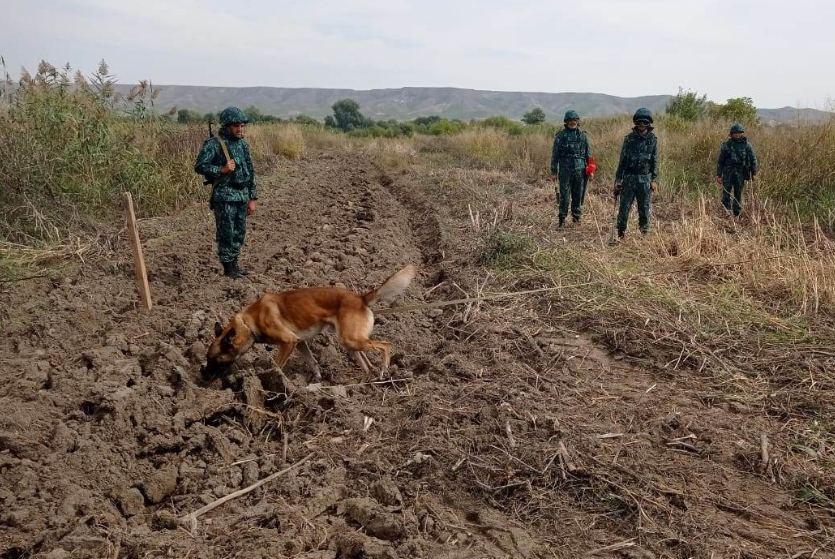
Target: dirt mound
x,y
499,434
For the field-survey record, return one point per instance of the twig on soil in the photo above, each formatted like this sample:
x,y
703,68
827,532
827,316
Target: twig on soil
x,y
509,455
684,446
190,519
378,382
766,458
764,449
531,342
285,441
565,459
614,547
511,440
14,280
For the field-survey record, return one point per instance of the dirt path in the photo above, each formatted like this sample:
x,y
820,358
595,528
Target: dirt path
x,y
108,434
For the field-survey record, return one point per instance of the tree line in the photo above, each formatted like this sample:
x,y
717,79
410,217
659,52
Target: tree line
x,y
347,117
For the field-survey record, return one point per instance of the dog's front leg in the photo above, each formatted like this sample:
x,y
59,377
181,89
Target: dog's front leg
x,y
362,361
309,358
284,351
385,352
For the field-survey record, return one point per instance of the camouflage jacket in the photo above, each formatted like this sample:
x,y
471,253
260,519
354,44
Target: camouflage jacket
x,y
571,150
737,155
638,156
238,186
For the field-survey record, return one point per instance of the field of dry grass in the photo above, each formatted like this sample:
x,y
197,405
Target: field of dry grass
x,y
631,398
747,305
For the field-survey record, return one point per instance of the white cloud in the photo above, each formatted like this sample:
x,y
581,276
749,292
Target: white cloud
x,y
768,50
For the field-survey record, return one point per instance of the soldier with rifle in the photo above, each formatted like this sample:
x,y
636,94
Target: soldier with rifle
x,y
225,162
737,164
572,163
637,174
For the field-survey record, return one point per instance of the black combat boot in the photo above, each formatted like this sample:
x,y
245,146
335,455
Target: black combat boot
x,y
241,271
231,269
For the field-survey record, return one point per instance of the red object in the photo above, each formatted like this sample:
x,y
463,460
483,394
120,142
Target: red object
x,y
591,166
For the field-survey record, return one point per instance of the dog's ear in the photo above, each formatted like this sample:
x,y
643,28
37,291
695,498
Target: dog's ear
x,y
218,329
226,342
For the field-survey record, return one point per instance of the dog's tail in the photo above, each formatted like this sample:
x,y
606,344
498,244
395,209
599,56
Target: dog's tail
x,y
392,286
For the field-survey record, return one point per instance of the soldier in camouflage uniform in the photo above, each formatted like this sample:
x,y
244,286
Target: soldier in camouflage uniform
x,y
569,157
637,171
737,163
233,186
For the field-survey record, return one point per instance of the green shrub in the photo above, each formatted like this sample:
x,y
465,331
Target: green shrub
x,y
534,116
506,250
739,109
503,123
306,120
347,116
687,105
186,116
81,146
437,126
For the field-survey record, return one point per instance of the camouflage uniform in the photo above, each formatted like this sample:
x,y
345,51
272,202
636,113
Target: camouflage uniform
x,y
638,167
568,160
737,163
230,192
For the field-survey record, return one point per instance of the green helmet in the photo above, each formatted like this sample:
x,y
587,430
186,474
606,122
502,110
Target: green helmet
x,y
642,114
571,115
736,128
232,115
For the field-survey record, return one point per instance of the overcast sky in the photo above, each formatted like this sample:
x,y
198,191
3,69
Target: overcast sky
x,y
780,53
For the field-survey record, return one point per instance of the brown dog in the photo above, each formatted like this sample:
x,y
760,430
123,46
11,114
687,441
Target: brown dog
x,y
288,317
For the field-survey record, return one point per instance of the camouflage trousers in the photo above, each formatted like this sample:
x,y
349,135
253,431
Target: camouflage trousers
x,y
733,183
572,188
636,188
230,224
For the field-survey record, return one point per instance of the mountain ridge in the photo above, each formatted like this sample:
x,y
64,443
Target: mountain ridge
x,y
406,103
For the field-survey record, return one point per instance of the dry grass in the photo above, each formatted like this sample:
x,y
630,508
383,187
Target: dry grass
x,y
754,297
284,140
739,314
22,261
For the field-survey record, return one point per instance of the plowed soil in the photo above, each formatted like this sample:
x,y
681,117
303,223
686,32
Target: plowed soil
x,y
501,432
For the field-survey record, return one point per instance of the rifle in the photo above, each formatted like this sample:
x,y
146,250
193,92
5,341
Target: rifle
x,y
228,158
613,238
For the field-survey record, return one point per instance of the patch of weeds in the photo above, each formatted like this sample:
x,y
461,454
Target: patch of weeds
x,y
507,250
810,494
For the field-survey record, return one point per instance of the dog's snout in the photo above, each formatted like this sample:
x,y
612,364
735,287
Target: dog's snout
x,y
212,370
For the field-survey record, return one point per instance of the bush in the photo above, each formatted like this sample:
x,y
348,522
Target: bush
x,y
347,116
506,250
687,105
187,116
437,126
427,120
256,115
383,129
534,116
739,109
77,143
305,120
503,123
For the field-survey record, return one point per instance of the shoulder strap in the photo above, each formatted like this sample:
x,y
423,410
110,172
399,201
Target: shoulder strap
x,y
223,147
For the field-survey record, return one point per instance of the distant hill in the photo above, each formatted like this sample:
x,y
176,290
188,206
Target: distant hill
x,y
410,102
792,114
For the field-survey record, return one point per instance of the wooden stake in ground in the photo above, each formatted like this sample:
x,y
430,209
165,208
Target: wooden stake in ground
x,y
138,258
